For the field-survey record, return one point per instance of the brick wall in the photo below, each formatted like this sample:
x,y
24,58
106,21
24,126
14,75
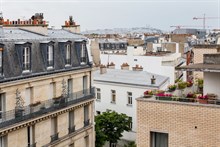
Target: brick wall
x,y
179,120
198,57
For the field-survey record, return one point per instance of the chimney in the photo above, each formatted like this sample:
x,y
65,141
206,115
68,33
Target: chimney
x,y
71,26
137,68
125,66
153,80
103,69
1,26
36,24
111,65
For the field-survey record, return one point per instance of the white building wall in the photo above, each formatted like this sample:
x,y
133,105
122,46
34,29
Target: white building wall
x,y
152,64
121,101
212,83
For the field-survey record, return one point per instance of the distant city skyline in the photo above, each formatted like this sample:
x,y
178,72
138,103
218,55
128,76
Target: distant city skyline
x,y
107,14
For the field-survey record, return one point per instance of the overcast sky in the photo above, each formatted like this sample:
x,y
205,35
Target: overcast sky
x,y
101,14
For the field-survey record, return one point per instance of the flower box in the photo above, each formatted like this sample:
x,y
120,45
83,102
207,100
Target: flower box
x,y
164,98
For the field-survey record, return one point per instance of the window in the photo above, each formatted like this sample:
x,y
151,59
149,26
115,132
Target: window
x,y
98,94
68,53
98,112
28,95
3,141
54,133
70,88
130,125
85,80
158,139
26,59
1,61
52,90
86,115
113,145
50,56
71,122
113,96
86,141
129,98
83,54
2,105
30,135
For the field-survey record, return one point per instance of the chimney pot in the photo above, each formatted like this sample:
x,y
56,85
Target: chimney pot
x,y
153,80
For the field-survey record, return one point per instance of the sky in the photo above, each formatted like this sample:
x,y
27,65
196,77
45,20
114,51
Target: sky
x,y
107,14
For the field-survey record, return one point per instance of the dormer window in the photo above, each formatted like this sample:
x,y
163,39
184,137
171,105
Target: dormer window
x,y
50,56
26,59
68,53
83,54
1,61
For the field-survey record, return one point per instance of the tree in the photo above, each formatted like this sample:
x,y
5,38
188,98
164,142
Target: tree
x,y
109,126
130,144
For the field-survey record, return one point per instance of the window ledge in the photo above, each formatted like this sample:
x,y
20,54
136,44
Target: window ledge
x,y
113,102
98,100
130,105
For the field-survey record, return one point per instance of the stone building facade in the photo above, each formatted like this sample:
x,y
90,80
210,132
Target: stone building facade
x,y
46,98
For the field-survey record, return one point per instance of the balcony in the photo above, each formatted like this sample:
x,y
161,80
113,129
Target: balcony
x,y
86,122
32,111
54,137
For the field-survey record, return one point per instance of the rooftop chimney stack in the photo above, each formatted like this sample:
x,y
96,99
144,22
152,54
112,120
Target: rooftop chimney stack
x,y
71,26
1,25
125,66
103,69
137,68
153,80
111,65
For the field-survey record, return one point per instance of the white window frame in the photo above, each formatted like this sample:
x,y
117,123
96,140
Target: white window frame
x,y
31,131
50,56
68,55
130,100
83,54
26,58
113,96
98,94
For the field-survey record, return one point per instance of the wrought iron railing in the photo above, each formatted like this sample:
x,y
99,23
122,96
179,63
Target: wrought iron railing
x,y
30,111
54,137
86,122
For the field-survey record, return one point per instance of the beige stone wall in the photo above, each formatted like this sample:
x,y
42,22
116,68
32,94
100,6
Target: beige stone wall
x,y
43,132
180,122
18,138
63,124
41,87
198,58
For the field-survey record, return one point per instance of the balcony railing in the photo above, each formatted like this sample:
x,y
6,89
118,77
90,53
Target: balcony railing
x,y
33,111
86,122
32,145
54,137
72,129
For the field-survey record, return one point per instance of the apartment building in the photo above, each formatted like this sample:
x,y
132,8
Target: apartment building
x,y
117,89
176,122
46,98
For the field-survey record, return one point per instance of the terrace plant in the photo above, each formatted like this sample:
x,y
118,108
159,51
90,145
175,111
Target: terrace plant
x,y
172,88
182,85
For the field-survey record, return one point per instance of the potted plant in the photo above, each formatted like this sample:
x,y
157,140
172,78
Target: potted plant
x,y
189,83
200,85
182,85
162,96
35,104
203,99
171,88
190,97
148,94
